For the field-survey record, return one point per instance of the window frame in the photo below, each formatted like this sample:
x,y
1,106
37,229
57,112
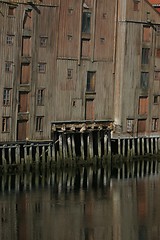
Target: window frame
x,y
43,41
9,39
6,124
39,123
91,81
42,67
6,97
154,124
8,66
11,11
40,97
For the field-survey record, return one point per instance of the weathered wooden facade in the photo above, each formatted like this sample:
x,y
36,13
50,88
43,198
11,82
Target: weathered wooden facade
x,y
78,60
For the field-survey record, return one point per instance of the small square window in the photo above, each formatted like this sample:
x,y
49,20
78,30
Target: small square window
x,y
9,66
154,124
130,124
9,39
42,67
43,41
6,96
5,124
11,11
39,124
155,99
40,97
69,73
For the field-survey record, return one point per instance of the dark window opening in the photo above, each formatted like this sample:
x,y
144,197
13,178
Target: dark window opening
x,y
43,41
155,99
91,79
145,55
8,66
5,124
11,11
40,97
86,22
42,67
144,80
155,124
9,39
39,124
69,73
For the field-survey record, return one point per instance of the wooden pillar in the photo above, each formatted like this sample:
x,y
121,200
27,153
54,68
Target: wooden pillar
x,y
4,162
156,145
17,154
152,149
142,145
60,146
133,146
138,146
128,148
73,146
43,156
64,145
69,146
91,145
25,154
105,145
123,150
119,146
82,146
99,144
147,144
37,157
10,155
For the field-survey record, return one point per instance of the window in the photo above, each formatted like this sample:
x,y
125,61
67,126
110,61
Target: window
x,y
155,99
39,124
130,125
40,97
5,124
26,46
143,105
157,75
69,73
11,11
9,39
42,67
86,22
144,80
25,73
158,52
6,96
43,41
147,34
89,109
8,66
91,79
145,55
154,124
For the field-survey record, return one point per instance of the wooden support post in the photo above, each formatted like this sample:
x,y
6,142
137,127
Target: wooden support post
x,y
60,147
73,146
99,144
64,146
10,155
17,154
156,145
53,152
49,157
69,146
25,154
123,150
133,147
37,156
91,145
128,148
138,146
119,146
152,149
88,152
82,146
142,145
147,143
4,162
43,156
158,140
105,145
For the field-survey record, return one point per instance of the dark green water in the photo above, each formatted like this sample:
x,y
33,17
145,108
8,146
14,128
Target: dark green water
x,y
74,208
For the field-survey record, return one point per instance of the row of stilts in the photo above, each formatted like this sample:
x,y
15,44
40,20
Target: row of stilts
x,y
77,178
68,149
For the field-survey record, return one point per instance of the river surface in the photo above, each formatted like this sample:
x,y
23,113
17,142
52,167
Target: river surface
x,y
91,207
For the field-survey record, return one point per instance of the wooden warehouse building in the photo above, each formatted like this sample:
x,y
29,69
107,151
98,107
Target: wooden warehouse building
x,y
79,61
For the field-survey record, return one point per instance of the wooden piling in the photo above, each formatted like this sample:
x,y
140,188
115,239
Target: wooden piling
x,y
82,146
99,144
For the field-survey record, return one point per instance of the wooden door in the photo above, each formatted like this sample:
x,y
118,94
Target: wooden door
x,y
89,109
141,126
23,101
25,73
22,130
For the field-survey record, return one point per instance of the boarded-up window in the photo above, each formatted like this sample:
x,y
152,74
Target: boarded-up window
x,y
145,55
86,22
26,46
130,125
39,124
141,125
27,21
91,79
85,51
158,52
5,124
6,96
147,34
154,124
22,130
144,80
89,109
157,75
23,102
25,73
143,105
